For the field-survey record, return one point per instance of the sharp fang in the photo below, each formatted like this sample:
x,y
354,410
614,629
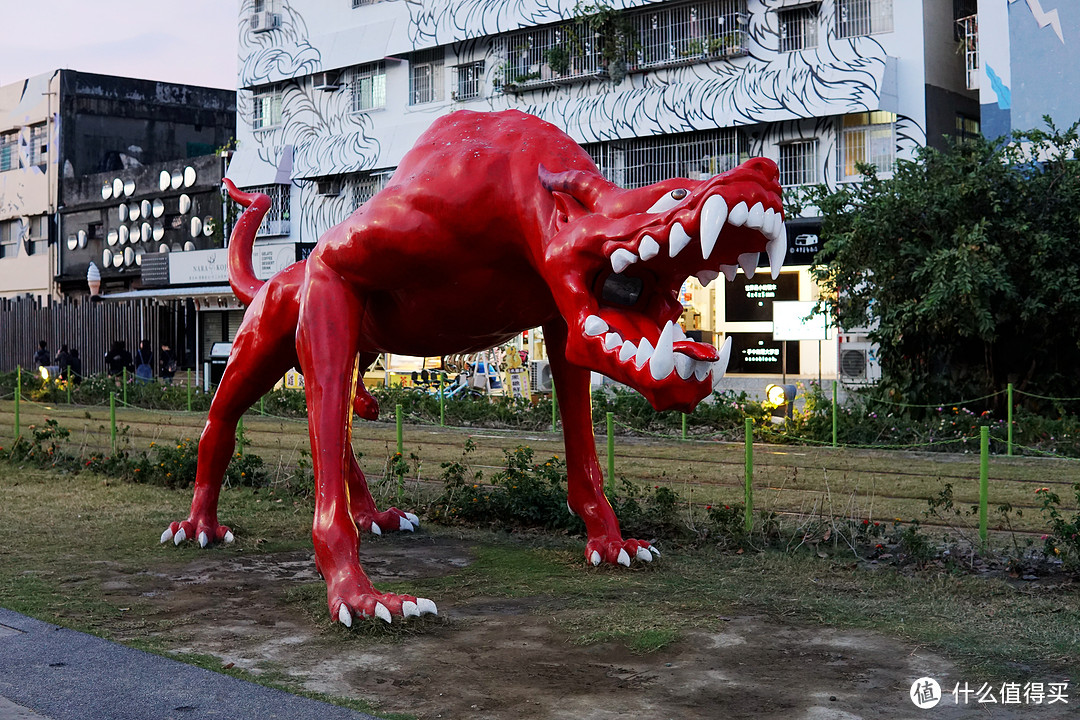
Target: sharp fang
x,y
777,251
768,228
756,219
622,259
702,369
649,248
738,215
729,271
627,351
645,351
684,365
678,332
663,360
720,366
611,341
677,240
713,216
748,263
595,325
707,276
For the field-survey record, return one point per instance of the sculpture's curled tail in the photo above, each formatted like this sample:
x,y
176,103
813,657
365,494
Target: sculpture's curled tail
x,y
241,268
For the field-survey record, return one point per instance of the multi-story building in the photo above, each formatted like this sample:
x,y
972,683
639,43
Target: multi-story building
x,y
332,94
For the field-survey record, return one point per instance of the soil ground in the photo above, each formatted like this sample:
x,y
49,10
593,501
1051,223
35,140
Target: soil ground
x,y
508,658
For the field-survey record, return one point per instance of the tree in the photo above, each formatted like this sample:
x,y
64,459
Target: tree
x,y
966,265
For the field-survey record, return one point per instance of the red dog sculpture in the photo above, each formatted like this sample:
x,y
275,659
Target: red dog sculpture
x,y
493,223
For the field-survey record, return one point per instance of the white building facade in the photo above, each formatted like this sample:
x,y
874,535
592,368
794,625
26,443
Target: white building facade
x,y
333,94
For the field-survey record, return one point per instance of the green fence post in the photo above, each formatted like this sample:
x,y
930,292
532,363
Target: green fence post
x,y
554,409
984,480
240,434
18,398
684,426
442,401
400,440
748,518
112,419
189,390
610,452
124,386
1009,444
834,412
262,405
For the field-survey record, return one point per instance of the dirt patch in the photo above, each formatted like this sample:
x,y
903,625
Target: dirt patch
x,y
509,658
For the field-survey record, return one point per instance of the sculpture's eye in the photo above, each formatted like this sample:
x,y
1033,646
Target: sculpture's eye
x,y
669,201
621,290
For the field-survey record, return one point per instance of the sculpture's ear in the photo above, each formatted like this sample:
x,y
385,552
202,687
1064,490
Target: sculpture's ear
x,y
576,192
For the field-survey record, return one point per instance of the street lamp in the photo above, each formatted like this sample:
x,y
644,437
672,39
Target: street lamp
x,y
781,397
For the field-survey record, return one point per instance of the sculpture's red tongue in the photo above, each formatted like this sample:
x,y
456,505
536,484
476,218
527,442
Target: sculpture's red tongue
x,y
698,351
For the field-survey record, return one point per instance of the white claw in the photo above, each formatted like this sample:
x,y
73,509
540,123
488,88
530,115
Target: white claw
x,y
229,537
654,550
344,616
624,559
180,537
405,525
426,607
594,558
382,613
595,325
409,609
649,248
167,535
713,215
622,259
677,240
375,529
644,554
720,366
644,352
203,540
612,340
729,271
707,276
627,351
756,218
776,249
570,509
413,519
739,215
748,263
662,361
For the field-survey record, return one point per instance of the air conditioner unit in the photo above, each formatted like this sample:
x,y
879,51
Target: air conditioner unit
x,y
327,81
539,376
264,21
858,362
328,187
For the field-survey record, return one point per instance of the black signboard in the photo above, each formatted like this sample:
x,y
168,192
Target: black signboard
x,y
803,241
751,300
759,354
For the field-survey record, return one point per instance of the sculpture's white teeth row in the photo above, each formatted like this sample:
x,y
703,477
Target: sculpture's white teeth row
x,y
662,360
714,215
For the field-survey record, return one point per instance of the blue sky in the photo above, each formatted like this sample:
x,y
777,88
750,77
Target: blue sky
x,y
193,41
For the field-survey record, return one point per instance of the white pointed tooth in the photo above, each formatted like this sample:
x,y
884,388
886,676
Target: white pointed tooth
x,y
644,352
738,215
729,271
413,518
180,537
627,351
167,535
612,340
595,325
426,607
624,558
662,362
677,240
644,554
678,332
756,218
748,263
648,249
776,249
714,214
203,540
768,228
684,365
404,525
702,368
720,366
229,537
408,609
344,616
622,259
375,529
707,276
594,558
382,612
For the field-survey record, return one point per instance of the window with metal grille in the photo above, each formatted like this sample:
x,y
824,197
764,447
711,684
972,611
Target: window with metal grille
x,y
643,161
361,3
798,28
690,32
544,55
366,185
963,9
266,108
426,77
970,44
39,144
10,232
367,86
469,77
276,220
863,17
867,138
9,151
798,163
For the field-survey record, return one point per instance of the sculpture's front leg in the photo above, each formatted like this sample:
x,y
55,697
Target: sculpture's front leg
x,y
585,481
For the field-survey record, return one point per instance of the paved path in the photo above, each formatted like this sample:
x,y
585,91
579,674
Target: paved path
x,y
51,673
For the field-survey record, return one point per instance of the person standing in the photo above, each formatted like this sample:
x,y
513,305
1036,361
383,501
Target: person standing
x,y
144,362
168,366
41,357
63,361
75,365
118,358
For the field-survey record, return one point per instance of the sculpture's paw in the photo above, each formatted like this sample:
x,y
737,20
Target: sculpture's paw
x,y
618,551
383,606
203,532
366,406
387,521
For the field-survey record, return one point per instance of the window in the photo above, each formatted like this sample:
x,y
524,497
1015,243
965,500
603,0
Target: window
x,y
366,185
798,163
967,128
469,77
969,43
867,138
361,3
643,161
10,234
276,220
863,17
690,33
9,151
267,108
39,144
426,77
548,55
798,28
367,85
